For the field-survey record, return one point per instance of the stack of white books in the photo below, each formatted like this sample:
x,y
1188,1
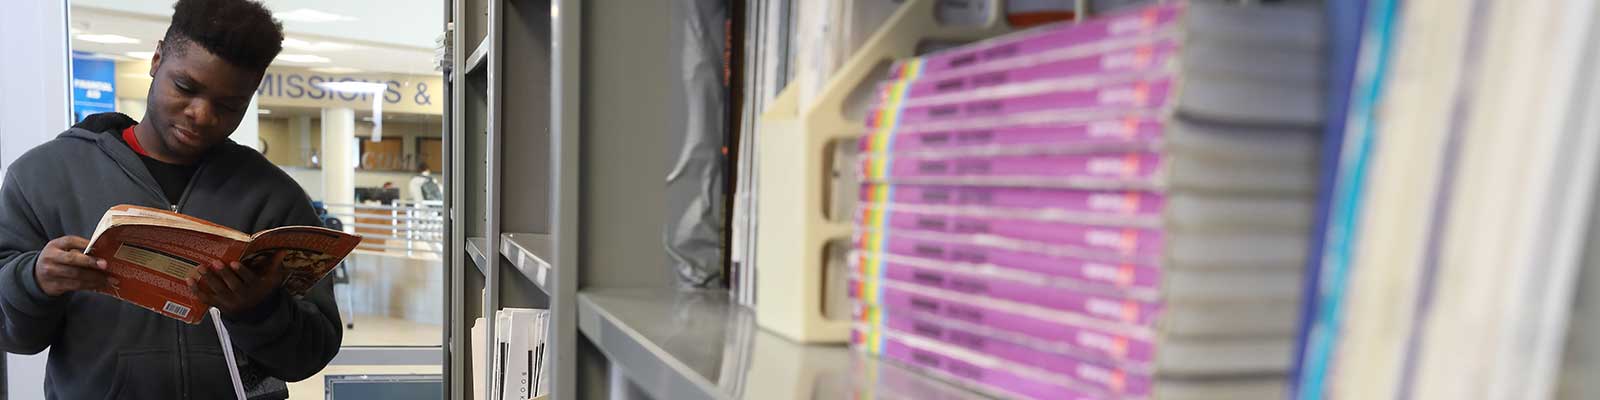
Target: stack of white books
x,y
520,365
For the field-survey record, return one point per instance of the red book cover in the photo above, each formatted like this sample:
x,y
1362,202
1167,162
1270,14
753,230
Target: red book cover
x,y
150,253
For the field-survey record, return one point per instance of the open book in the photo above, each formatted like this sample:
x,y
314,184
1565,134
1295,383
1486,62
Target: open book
x,y
150,252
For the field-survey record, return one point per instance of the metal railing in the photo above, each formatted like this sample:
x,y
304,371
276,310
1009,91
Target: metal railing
x,y
417,226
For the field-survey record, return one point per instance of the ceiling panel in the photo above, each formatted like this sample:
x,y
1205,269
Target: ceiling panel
x,y
412,23
378,39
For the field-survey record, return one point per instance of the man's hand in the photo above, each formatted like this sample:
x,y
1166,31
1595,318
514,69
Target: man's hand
x,y
62,267
236,288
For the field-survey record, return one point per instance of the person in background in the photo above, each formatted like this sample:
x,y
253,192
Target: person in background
x,y
178,156
423,186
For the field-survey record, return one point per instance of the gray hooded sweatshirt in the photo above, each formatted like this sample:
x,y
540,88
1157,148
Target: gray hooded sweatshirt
x,y
101,347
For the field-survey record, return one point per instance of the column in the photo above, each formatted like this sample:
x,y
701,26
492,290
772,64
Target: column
x,y
338,157
307,142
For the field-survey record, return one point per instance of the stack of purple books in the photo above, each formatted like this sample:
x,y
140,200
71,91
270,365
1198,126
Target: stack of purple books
x,y
1104,210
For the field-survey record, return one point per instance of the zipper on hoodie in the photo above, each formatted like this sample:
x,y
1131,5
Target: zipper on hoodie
x,y
177,207
183,349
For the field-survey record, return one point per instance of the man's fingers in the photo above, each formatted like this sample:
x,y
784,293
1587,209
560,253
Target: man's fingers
x,y
194,286
70,242
212,281
246,274
62,267
230,278
78,278
205,295
75,273
75,259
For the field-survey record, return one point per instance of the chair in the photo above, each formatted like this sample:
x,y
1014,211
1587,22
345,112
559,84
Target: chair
x,y
341,273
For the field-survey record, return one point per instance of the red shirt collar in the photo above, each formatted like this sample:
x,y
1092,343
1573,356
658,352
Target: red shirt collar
x,y
133,141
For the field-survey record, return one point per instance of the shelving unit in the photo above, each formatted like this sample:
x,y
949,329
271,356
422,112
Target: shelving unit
x,y
524,249
560,141
503,162
480,53
475,246
696,345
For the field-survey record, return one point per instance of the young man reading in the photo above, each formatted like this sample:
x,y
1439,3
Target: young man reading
x,y
178,157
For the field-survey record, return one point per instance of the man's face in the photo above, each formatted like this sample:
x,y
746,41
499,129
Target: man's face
x,y
196,99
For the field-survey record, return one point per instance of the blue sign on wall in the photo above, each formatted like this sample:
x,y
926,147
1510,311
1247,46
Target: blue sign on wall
x,y
94,85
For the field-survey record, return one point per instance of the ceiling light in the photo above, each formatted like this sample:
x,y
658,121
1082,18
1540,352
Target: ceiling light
x,y
310,15
354,87
142,55
107,38
303,58
297,44
264,111
335,70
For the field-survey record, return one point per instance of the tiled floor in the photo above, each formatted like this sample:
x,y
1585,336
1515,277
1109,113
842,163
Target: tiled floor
x,y
380,331
375,331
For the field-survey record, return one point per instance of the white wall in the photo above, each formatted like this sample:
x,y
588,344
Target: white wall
x,y
309,179
248,132
33,108
34,94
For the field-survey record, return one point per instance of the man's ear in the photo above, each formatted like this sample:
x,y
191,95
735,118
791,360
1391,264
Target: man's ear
x,y
155,58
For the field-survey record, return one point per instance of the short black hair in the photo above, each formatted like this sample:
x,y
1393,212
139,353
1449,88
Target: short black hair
x,y
241,32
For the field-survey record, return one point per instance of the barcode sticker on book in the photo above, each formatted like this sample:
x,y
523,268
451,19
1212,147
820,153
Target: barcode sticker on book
x,y
176,309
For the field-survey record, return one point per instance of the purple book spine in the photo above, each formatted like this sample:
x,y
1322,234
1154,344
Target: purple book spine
x,y
1098,341
1110,203
1113,379
1103,307
1113,275
1106,132
993,378
1138,58
1129,167
1138,22
1121,241
1152,93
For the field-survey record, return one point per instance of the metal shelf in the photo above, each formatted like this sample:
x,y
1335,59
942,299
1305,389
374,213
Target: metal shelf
x,y
524,251
479,56
475,246
696,345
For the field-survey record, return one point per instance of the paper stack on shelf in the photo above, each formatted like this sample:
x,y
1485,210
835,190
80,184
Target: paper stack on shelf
x,y
478,352
1111,209
768,68
1454,248
519,354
